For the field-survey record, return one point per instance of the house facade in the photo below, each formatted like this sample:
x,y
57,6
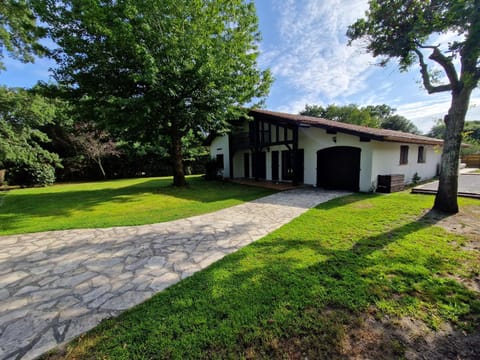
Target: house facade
x,y
300,149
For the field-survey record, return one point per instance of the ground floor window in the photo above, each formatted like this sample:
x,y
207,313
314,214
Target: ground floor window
x,y
421,154
403,155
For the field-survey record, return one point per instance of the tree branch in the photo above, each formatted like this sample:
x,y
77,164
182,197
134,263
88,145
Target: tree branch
x,y
444,62
426,77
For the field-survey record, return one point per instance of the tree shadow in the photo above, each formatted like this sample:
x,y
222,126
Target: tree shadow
x,y
267,301
46,204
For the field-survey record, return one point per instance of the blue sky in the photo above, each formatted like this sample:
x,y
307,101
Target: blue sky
x,y
305,46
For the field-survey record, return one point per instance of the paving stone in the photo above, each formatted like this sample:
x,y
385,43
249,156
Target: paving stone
x,y
73,279
26,289
95,293
13,304
127,300
164,281
4,294
155,262
8,279
67,302
45,343
100,265
12,315
73,313
100,300
84,323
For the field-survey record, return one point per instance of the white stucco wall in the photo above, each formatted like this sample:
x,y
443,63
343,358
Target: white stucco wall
x,y
386,160
314,139
219,145
376,158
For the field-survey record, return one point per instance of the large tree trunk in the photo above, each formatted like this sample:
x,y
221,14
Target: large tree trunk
x,y
177,160
446,198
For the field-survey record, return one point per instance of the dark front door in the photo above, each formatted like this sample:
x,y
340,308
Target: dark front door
x,y
338,167
287,165
275,164
290,163
259,165
246,165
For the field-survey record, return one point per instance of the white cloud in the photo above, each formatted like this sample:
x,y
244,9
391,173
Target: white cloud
x,y
313,64
425,113
312,55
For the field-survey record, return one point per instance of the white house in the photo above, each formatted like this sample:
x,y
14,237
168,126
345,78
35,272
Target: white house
x,y
301,149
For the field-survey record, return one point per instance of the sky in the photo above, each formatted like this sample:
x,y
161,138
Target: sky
x,y
305,47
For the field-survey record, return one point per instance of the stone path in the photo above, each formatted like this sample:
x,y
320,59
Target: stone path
x,y
56,285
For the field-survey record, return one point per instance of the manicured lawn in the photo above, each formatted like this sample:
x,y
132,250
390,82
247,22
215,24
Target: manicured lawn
x,y
302,291
115,203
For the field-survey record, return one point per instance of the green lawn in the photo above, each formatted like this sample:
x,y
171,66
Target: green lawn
x,y
301,291
115,203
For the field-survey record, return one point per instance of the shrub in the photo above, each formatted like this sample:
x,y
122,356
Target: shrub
x,y
34,174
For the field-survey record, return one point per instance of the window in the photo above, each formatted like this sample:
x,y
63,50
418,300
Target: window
x,y
403,155
220,161
421,154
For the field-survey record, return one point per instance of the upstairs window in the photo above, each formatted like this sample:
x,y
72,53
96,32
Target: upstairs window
x,y
403,155
421,154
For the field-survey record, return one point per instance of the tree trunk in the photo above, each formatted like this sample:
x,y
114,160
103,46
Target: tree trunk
x,y
99,162
446,198
177,160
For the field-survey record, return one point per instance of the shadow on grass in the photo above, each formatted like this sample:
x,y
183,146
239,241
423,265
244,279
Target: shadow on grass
x,y
287,298
18,205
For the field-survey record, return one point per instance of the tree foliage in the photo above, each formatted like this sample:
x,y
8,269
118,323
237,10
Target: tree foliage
x,y
19,33
377,116
403,30
156,71
22,114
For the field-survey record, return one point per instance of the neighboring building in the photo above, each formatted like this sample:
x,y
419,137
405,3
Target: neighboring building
x,y
301,149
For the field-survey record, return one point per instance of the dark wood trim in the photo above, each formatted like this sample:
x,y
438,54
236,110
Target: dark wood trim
x,y
230,155
296,160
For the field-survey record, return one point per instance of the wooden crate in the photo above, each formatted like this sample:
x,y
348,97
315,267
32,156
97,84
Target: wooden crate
x,y
390,183
472,161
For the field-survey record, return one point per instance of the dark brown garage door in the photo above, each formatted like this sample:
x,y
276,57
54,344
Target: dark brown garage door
x,y
338,167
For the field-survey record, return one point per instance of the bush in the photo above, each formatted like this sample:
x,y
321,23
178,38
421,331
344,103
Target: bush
x,y
29,175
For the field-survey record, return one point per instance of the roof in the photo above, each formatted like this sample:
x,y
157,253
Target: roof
x,y
358,130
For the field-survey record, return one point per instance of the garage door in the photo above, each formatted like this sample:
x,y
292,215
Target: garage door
x,y
338,168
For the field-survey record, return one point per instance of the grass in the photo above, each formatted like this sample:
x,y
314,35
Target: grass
x,y
297,292
115,203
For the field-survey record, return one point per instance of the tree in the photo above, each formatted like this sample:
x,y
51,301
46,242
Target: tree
x,y
19,33
402,30
22,114
437,130
350,114
377,116
94,143
399,123
155,71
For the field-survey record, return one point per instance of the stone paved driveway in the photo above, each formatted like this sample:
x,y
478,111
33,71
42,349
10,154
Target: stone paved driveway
x,y
56,285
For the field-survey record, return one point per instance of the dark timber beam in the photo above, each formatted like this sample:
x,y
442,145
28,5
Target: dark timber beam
x,y
256,150
230,155
296,160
